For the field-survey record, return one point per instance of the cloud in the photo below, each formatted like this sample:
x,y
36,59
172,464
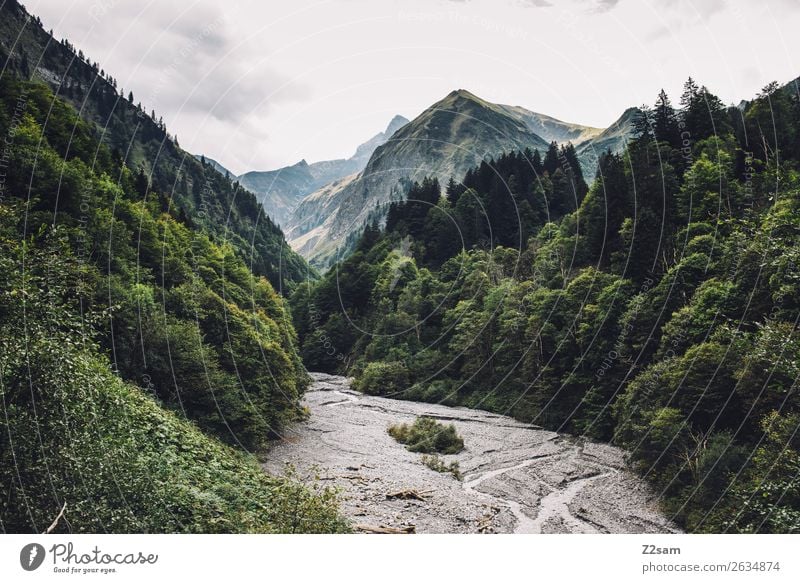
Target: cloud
x,y
703,9
606,5
263,84
708,8
682,14
598,6
177,57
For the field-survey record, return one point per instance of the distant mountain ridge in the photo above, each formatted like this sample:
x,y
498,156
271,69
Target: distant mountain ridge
x,y
444,141
215,165
281,190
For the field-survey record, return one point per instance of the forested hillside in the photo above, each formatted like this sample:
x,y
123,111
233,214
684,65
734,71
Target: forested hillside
x,y
140,139
134,341
657,309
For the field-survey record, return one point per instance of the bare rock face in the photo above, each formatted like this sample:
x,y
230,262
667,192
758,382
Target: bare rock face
x,y
517,478
281,191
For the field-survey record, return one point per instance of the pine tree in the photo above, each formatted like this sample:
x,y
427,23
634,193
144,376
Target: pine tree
x,y
551,164
453,191
643,124
703,115
141,182
690,91
665,121
770,130
606,206
536,162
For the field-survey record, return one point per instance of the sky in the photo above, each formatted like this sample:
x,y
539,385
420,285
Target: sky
x,y
257,85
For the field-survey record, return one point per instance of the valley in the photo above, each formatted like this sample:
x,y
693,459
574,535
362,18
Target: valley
x,y
517,478
526,279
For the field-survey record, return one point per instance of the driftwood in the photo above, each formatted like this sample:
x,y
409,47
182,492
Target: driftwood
x,y
485,524
357,468
407,495
357,478
386,529
54,524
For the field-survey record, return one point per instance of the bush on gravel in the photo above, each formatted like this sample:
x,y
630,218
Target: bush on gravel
x,y
437,464
427,435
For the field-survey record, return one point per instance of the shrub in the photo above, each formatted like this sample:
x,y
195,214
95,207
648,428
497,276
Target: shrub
x,y
437,464
74,432
122,463
426,435
382,378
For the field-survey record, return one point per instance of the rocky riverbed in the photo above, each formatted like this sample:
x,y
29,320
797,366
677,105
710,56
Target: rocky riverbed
x,y
516,477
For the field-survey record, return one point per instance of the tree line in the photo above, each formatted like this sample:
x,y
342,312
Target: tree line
x,y
656,309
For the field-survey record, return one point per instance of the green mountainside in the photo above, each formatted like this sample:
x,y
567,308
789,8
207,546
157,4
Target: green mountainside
x,y
140,356
658,312
140,139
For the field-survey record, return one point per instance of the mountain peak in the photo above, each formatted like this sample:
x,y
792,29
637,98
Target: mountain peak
x,y
463,94
461,98
397,122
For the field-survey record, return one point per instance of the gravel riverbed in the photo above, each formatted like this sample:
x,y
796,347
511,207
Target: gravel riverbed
x,y
517,478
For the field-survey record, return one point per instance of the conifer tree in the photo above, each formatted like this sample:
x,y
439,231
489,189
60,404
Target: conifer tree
x,y
665,121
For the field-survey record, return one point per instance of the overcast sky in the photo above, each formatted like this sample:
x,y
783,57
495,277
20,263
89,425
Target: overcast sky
x,y
262,84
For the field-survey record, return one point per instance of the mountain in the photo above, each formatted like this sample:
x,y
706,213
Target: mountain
x,y
215,165
281,190
365,150
663,307
445,140
589,142
550,128
140,139
613,138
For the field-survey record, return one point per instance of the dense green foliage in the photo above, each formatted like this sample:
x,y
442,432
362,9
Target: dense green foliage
x,y
426,435
127,328
657,311
74,433
186,319
192,187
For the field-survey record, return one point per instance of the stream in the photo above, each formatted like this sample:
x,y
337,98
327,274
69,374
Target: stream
x,y
516,478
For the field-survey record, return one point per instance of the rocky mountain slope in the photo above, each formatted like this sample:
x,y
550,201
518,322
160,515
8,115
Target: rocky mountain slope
x,y
445,140
281,190
613,138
